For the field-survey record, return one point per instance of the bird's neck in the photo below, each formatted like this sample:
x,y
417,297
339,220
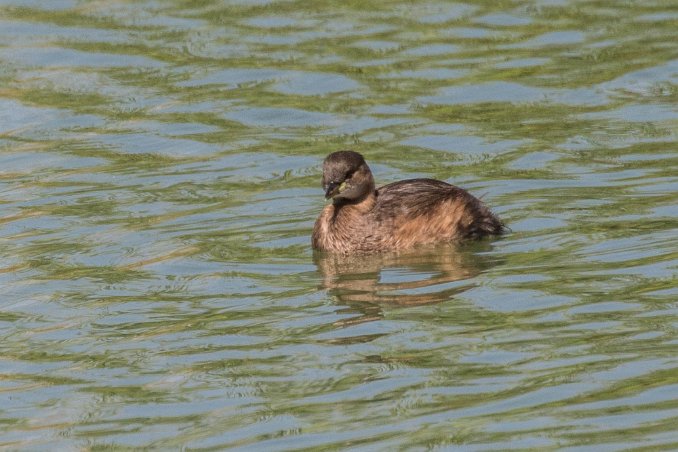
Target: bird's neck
x,y
360,206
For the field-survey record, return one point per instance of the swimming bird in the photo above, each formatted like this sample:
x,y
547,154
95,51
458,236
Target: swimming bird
x,y
401,215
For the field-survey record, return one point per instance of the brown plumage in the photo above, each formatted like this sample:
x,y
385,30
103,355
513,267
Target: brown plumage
x,y
396,216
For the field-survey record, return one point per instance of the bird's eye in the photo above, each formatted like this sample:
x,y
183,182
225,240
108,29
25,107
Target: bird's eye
x,y
349,175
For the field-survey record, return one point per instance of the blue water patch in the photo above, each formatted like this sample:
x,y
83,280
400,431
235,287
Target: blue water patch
x,y
19,119
464,145
553,38
60,57
432,50
638,113
514,93
281,117
377,45
503,20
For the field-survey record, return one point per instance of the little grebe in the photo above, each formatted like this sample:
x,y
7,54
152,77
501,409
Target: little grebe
x,y
396,216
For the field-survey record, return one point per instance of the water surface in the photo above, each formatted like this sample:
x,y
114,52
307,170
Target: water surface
x,y
159,179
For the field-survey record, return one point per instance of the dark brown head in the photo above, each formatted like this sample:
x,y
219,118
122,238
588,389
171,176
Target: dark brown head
x,y
346,176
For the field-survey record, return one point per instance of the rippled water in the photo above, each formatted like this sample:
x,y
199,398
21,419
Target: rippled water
x,y
159,179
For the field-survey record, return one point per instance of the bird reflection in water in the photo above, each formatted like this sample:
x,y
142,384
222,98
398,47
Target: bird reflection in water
x,y
366,283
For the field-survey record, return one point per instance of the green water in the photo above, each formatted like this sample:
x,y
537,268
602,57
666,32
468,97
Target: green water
x,y
159,179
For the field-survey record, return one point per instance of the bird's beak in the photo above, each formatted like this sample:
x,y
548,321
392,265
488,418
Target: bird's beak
x,y
334,188
331,189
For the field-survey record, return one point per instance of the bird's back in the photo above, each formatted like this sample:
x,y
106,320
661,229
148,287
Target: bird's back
x,y
419,211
